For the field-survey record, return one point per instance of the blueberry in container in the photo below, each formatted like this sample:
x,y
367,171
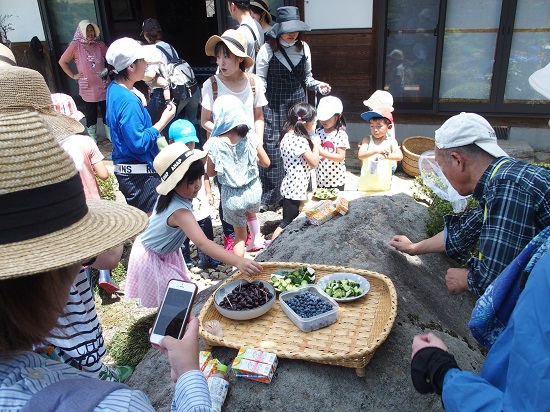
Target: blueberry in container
x,y
304,305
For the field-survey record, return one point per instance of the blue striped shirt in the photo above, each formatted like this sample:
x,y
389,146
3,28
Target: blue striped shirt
x,y
26,373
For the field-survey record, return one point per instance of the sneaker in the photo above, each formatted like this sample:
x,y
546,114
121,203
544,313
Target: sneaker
x,y
228,243
209,264
115,373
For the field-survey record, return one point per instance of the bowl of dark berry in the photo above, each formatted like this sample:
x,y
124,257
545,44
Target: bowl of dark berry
x,y
309,308
243,300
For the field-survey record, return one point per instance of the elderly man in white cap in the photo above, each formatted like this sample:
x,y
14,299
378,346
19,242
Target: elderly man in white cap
x,y
514,204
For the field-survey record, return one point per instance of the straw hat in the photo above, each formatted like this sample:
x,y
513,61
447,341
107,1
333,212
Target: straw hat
x,y
172,163
45,222
235,42
288,21
264,5
6,56
24,88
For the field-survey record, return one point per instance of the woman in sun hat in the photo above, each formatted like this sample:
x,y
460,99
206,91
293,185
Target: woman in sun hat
x,y
156,255
259,10
88,53
232,79
284,64
46,231
134,137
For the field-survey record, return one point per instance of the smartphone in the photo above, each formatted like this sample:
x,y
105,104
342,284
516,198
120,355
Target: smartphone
x,y
174,311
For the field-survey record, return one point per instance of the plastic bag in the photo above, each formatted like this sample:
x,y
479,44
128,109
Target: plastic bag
x,y
375,176
434,178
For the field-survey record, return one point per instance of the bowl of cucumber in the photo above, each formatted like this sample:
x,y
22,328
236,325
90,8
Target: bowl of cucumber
x,y
326,193
283,279
344,286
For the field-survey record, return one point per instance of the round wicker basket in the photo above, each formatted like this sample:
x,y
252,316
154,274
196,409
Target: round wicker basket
x,y
413,147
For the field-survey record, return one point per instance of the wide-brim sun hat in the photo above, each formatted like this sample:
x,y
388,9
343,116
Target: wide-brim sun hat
x,y
328,107
24,88
264,5
228,112
366,116
172,163
465,129
45,221
380,99
288,21
235,42
540,81
123,52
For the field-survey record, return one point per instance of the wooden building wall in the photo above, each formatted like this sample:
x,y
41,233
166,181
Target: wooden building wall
x,y
346,60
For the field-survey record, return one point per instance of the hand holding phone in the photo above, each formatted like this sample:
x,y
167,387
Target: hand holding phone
x,y
174,311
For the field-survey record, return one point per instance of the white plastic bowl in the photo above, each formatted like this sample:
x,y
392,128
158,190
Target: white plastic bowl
x,y
226,289
363,283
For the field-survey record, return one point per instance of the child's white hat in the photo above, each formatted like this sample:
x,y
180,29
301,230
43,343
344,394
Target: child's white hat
x,y
380,99
172,163
540,81
328,107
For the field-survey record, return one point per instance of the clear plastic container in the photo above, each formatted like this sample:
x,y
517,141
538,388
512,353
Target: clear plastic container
x,y
315,322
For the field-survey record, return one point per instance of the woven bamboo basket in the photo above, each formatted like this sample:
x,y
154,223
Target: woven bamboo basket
x,y
413,147
362,326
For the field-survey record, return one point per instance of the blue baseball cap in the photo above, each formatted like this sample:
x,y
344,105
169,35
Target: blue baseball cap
x,y
182,131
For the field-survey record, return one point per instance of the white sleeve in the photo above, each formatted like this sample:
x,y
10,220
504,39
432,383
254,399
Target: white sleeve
x,y
259,97
207,95
262,62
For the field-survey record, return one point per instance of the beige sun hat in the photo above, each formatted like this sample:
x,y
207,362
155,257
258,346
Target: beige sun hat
x,y
172,163
235,42
45,222
24,88
264,5
380,99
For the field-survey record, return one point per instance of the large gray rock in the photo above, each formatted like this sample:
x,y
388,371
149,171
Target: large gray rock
x,y
358,239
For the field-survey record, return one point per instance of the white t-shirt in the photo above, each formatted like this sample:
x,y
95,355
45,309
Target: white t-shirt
x,y
328,172
296,180
249,99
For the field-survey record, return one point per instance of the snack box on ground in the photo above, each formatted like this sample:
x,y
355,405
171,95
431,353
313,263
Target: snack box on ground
x,y
314,322
204,357
320,213
210,368
249,369
258,356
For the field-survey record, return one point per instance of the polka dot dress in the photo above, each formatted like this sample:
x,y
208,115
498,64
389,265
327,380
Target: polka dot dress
x,y
296,180
328,172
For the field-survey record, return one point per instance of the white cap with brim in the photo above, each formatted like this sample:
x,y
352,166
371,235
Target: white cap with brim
x,y
540,81
465,129
123,52
328,107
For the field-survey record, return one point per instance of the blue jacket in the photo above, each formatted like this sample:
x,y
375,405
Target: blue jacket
x,y
133,136
516,372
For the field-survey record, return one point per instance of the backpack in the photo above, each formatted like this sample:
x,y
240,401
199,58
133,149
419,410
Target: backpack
x,y
257,44
215,85
180,76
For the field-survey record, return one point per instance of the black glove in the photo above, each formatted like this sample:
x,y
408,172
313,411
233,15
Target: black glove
x,y
428,369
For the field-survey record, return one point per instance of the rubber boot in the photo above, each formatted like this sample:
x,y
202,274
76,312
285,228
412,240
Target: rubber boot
x,y
92,132
106,283
257,242
108,133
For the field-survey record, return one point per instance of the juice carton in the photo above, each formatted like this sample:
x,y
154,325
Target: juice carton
x,y
342,205
204,357
321,212
256,371
258,356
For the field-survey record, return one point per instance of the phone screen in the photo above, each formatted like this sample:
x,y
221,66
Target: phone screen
x,y
173,312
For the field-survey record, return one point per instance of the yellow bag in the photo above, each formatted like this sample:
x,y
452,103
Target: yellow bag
x,y
375,175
